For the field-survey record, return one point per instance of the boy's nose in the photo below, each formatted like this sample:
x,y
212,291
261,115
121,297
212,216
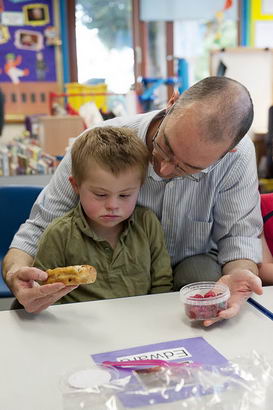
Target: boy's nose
x,y
111,203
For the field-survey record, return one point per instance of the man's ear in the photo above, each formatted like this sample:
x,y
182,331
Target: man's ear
x,y
173,99
74,184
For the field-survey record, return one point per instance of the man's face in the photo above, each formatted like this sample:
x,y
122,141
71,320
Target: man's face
x,y
180,147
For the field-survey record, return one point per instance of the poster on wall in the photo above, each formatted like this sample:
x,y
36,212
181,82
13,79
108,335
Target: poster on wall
x,y
267,7
25,53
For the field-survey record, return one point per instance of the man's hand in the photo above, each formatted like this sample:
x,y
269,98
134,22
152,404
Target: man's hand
x,y
30,294
242,283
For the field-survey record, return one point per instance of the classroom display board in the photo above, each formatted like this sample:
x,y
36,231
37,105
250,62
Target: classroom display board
x,y
261,23
253,68
28,72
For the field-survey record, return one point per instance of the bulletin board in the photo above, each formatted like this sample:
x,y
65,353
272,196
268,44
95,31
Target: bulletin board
x,y
253,68
261,23
28,69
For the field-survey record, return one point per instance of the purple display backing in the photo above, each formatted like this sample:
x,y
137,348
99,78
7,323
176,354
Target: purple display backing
x,y
28,56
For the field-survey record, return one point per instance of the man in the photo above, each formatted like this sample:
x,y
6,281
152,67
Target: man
x,y
202,184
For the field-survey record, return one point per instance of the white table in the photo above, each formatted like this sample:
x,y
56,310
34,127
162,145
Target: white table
x,y
266,299
37,348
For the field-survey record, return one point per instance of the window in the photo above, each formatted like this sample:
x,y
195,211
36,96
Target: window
x,y
104,43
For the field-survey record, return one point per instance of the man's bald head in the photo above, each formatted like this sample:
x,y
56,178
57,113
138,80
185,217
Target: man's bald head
x,y
222,107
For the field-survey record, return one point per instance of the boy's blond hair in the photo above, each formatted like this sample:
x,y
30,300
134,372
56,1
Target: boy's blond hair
x,y
115,149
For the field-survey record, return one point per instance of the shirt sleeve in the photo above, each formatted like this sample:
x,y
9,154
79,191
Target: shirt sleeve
x,y
237,214
161,271
51,248
56,199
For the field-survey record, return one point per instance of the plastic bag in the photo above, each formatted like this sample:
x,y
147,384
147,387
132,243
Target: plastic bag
x,y
244,384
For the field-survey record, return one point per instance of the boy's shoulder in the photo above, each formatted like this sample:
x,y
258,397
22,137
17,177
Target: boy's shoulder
x,y
148,223
63,222
141,212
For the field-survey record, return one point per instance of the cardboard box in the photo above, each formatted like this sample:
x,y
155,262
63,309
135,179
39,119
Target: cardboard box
x,y
55,132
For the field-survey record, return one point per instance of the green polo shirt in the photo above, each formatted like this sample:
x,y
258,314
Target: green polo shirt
x,y
138,265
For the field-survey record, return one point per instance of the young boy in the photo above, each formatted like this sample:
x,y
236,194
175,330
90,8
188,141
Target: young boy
x,y
124,243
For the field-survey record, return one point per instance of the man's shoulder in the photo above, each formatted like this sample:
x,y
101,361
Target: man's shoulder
x,y
137,122
246,144
242,153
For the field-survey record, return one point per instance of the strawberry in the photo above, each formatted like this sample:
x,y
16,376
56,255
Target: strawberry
x,y
210,294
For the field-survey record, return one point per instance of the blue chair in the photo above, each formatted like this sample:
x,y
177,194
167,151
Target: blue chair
x,y
15,204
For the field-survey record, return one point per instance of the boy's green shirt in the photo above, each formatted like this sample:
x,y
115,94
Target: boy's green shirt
x,y
138,265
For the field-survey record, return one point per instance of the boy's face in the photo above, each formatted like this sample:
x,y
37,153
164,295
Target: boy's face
x,y
107,200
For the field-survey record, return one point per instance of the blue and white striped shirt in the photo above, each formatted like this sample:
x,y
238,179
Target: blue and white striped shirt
x,y
221,211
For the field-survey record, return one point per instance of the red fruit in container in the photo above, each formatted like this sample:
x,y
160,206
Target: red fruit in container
x,y
204,300
210,294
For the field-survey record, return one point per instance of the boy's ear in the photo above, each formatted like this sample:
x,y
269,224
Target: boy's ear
x,y
74,184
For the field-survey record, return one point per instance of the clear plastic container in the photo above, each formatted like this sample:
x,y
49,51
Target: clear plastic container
x,y
204,300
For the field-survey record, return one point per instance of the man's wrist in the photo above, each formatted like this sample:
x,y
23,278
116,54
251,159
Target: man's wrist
x,y
240,264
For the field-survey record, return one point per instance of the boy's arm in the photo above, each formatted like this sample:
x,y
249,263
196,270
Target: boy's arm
x,y
161,271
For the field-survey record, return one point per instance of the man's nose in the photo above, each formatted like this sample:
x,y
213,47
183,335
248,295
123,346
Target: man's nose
x,y
166,168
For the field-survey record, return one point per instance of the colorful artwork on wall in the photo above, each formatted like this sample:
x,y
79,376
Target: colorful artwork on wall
x,y
21,46
28,67
36,14
4,34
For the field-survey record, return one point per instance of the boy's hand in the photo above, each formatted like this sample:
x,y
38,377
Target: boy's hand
x,y
242,283
30,294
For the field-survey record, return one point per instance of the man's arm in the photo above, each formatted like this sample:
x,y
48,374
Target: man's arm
x,y
56,199
237,215
240,264
14,260
238,225
22,279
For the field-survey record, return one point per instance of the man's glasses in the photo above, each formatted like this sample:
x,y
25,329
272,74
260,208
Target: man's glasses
x,y
179,170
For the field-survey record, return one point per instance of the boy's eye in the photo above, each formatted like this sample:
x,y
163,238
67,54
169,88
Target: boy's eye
x,y
125,195
100,195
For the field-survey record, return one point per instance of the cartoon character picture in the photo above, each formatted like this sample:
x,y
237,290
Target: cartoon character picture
x,y
28,40
12,70
4,34
36,14
51,35
41,67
